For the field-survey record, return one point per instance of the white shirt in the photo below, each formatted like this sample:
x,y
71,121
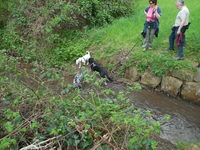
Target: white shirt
x,y
182,14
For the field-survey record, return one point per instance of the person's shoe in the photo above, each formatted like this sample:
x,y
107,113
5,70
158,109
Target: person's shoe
x,y
145,49
178,58
169,49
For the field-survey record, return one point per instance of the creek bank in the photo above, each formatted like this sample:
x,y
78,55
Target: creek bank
x,y
178,84
191,147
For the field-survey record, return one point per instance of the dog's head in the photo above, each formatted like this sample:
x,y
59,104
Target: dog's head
x,y
91,60
88,52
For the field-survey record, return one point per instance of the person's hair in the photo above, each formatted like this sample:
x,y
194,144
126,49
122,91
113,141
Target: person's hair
x,y
180,1
153,1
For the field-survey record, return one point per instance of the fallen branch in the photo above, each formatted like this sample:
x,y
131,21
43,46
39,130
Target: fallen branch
x,y
47,144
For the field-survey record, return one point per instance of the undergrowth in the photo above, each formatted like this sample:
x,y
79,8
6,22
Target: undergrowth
x,y
32,112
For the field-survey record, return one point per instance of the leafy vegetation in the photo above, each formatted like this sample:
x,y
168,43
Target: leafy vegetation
x,y
80,118
39,40
3,10
42,27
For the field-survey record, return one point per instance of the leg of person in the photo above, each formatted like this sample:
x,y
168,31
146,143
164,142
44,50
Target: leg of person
x,y
180,52
146,40
172,39
152,32
180,49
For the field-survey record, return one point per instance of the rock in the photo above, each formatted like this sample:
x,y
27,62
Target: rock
x,y
171,85
191,91
197,75
191,147
150,80
184,75
125,81
132,74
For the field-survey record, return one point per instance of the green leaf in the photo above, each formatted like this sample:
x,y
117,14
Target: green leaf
x,y
9,126
5,143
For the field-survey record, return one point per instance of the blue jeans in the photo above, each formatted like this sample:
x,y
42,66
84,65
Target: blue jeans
x,y
172,38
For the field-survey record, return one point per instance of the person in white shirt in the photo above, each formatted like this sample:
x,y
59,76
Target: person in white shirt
x,y
179,28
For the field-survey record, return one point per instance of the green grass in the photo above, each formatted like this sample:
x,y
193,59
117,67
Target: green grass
x,y
125,31
122,33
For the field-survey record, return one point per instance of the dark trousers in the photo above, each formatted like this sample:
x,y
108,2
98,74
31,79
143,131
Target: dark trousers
x,y
172,38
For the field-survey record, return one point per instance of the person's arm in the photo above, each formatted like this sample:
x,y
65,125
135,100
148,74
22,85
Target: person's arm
x,y
157,13
146,11
181,26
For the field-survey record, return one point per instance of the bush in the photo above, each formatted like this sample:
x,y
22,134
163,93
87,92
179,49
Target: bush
x,y
100,12
80,118
37,25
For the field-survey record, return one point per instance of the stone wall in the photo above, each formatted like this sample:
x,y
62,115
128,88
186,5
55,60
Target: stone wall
x,y
185,85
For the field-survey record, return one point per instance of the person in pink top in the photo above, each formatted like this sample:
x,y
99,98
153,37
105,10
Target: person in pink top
x,y
153,13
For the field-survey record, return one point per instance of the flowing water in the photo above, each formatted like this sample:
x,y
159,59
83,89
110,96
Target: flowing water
x,y
184,125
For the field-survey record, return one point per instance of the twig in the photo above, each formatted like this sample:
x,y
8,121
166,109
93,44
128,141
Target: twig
x,y
99,142
104,139
125,137
24,124
48,143
111,133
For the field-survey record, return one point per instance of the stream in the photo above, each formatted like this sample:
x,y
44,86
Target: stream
x,y
184,125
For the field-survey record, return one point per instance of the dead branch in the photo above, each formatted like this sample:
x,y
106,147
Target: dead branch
x,y
125,137
47,144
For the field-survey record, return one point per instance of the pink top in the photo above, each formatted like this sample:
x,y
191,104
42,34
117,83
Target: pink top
x,y
151,17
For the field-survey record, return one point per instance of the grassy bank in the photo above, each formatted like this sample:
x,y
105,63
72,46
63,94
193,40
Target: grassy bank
x,y
120,36
124,32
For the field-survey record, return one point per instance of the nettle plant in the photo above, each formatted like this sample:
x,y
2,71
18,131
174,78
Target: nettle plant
x,y
99,115
92,117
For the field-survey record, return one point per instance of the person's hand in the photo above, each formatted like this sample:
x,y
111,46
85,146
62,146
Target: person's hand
x,y
178,32
155,8
148,15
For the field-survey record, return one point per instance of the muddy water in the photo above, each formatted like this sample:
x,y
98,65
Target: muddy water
x,y
184,125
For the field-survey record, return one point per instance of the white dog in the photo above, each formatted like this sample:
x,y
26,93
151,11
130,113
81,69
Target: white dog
x,y
83,60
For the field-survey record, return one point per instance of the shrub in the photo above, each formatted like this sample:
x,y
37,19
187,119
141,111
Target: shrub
x,y
37,25
80,118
